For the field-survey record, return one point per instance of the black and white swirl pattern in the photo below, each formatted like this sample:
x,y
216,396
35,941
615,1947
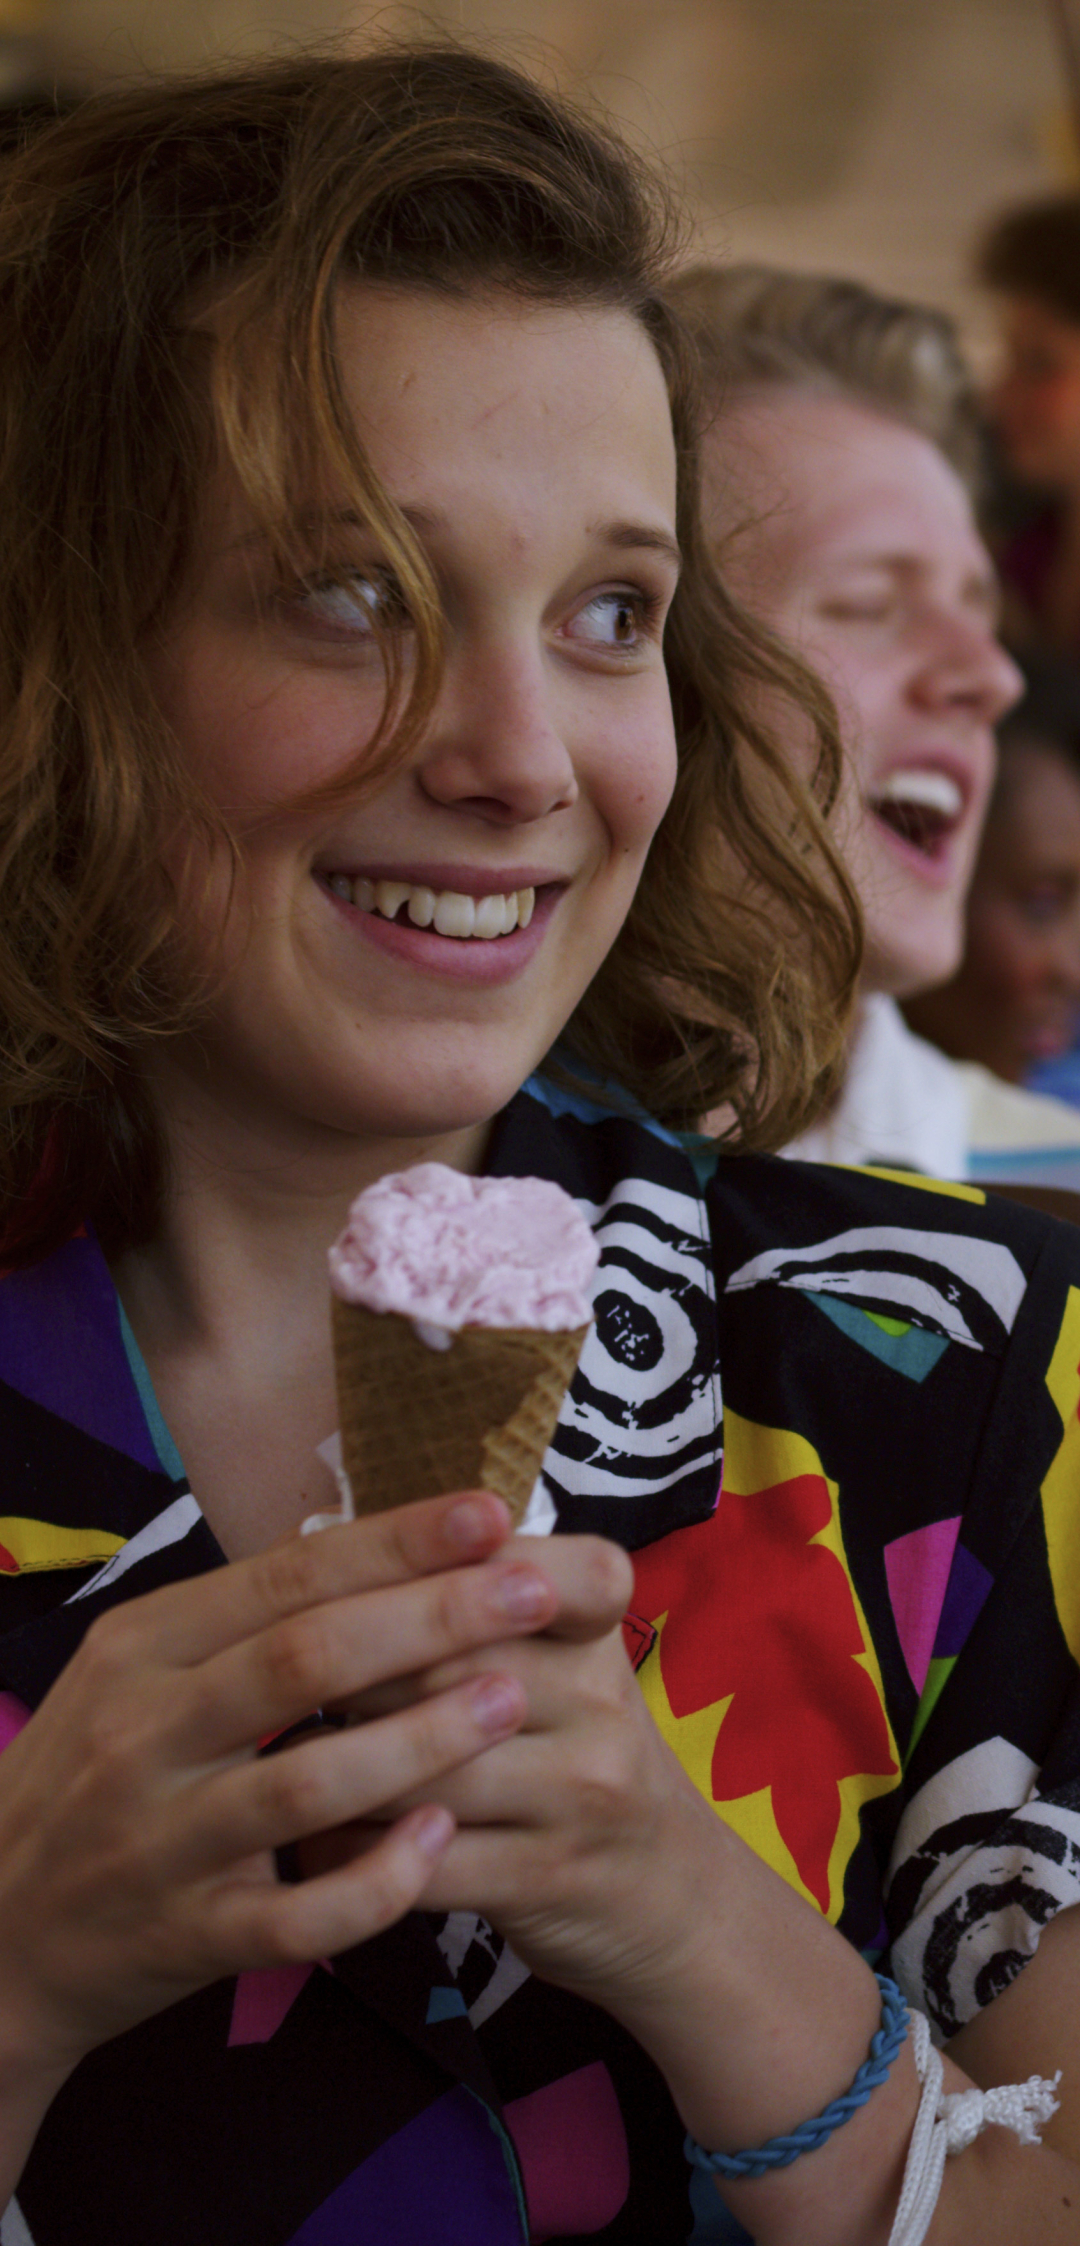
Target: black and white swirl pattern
x,y
642,1420
972,1895
964,1289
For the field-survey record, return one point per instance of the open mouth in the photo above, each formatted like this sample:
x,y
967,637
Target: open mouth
x,y
921,807
448,912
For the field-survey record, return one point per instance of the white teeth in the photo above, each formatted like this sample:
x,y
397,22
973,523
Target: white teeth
x,y
455,915
490,917
421,907
390,896
932,791
448,911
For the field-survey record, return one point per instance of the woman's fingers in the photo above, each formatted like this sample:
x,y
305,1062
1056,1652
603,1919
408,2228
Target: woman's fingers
x,y
338,1777
188,1622
271,1925
593,1581
326,1653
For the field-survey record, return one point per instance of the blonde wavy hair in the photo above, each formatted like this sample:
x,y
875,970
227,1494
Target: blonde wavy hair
x,y
764,327
257,191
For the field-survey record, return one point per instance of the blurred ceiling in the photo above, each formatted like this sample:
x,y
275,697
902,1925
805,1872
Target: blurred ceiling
x,y
869,136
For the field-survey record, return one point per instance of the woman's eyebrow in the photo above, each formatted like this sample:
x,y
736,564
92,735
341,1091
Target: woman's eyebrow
x,y
625,536
628,536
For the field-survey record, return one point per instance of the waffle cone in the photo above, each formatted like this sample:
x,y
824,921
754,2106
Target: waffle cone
x,y
416,1421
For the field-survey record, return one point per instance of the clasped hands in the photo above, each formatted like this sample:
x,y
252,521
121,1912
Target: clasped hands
x,y
500,1758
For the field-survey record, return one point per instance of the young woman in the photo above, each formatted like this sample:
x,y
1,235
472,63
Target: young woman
x,y
839,455
347,476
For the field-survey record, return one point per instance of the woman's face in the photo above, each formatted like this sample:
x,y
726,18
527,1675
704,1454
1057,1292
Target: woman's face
x,y
852,537
1016,999
531,449
1035,402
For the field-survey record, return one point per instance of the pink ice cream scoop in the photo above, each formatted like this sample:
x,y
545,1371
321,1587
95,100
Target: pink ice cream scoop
x,y
459,1306
452,1251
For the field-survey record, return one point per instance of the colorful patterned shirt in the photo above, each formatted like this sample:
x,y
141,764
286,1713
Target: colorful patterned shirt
x,y
860,1634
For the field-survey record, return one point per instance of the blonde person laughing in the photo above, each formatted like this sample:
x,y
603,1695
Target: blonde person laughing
x,y
840,456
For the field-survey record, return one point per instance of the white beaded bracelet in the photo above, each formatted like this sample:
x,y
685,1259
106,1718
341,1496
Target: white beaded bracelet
x,y
949,2123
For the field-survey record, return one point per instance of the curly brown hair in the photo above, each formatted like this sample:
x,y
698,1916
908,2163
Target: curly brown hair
x,y
254,191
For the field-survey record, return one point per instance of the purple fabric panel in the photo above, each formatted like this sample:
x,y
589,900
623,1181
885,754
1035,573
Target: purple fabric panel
x,y
61,1346
969,1586
443,2177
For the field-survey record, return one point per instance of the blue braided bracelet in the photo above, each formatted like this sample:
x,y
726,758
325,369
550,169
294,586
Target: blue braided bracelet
x,y
781,2151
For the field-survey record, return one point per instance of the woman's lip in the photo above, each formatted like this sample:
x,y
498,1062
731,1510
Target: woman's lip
x,y
465,959
462,881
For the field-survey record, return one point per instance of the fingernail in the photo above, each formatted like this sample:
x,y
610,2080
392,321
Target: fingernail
x,y
496,1704
432,1829
522,1594
471,1524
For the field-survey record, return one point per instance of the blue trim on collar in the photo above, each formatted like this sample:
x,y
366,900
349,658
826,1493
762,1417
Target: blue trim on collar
x,y
169,1457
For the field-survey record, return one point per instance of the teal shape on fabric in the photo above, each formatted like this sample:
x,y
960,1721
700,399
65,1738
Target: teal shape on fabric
x,y
513,2165
714,2224
171,1462
937,1677
445,2004
573,1098
913,1352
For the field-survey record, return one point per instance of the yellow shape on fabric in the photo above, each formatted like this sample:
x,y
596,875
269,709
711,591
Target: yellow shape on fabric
x,y
922,1185
1061,1489
692,1737
49,1544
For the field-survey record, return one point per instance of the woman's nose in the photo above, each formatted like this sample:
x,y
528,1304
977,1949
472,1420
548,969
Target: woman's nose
x,y
495,747
965,666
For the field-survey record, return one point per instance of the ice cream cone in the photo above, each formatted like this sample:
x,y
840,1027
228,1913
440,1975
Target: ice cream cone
x,y
415,1420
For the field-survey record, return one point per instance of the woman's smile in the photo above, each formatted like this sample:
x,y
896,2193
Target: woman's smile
x,y
924,812
459,924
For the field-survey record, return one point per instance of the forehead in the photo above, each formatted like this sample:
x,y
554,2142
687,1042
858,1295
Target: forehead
x,y
446,391
813,482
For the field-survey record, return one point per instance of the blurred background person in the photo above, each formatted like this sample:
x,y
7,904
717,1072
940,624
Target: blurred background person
x,y
1030,262
840,455
1014,1002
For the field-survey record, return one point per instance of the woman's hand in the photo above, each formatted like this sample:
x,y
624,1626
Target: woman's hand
x,y
138,1824
580,1835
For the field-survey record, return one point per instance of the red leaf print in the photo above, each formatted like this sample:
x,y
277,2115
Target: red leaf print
x,y
758,1612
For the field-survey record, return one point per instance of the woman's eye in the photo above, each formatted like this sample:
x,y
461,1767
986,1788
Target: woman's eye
x,y
355,605
874,609
612,620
